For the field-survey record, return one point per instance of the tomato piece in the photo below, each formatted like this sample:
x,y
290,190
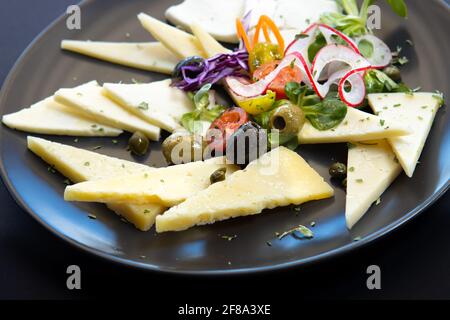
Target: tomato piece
x,y
228,123
287,74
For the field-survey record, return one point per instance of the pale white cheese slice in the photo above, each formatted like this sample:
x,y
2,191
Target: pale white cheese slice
x,y
279,178
357,126
80,165
157,102
180,43
151,56
371,168
218,18
166,186
416,111
299,14
89,100
49,117
210,45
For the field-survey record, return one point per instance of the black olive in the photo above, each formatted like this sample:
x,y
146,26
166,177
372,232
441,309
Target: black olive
x,y
248,143
189,61
393,72
218,175
338,170
138,143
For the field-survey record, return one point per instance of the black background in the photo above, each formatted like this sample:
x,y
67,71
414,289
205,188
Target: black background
x,y
414,260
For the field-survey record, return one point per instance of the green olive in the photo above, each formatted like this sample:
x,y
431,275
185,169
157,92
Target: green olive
x,y
338,170
218,175
183,141
393,72
138,143
287,118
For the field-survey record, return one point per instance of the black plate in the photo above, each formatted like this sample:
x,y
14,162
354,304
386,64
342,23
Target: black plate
x,y
44,68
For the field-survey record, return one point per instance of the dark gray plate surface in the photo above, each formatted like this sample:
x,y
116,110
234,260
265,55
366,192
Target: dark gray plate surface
x,y
43,69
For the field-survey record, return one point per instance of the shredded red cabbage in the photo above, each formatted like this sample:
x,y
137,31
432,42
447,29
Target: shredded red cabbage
x,y
212,70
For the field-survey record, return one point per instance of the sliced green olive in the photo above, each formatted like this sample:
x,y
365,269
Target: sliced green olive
x,y
338,170
218,175
393,72
287,118
138,143
183,141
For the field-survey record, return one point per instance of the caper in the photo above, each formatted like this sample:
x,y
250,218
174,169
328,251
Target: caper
x,y
393,72
287,118
338,170
188,147
218,175
344,183
138,143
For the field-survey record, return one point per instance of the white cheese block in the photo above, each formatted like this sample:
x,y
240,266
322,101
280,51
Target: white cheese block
x,y
180,43
299,14
151,56
218,18
166,186
357,126
281,177
49,117
417,111
81,165
157,102
210,45
371,168
89,100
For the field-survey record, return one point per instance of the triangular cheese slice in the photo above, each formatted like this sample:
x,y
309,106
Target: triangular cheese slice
x,y
177,41
49,117
218,18
371,168
157,102
81,165
89,100
151,56
166,186
357,126
417,111
210,45
279,178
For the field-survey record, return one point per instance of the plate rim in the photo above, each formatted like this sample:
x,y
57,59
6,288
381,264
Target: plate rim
x,y
146,266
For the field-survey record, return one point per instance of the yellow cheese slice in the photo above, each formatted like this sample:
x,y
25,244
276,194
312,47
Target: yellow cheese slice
x,y
279,178
167,186
151,56
210,45
357,126
49,117
81,165
371,168
89,100
218,18
180,43
416,111
164,104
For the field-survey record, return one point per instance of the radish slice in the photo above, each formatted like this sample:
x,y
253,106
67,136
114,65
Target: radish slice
x,y
381,56
331,54
302,44
357,93
328,33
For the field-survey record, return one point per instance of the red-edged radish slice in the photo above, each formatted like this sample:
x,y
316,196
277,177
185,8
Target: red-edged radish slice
x,y
260,87
331,54
328,33
381,56
355,96
302,43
